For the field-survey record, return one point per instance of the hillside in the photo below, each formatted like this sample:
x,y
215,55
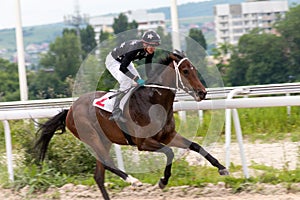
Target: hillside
x,y
32,35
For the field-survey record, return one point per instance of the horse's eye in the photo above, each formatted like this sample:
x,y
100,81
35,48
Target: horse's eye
x,y
185,71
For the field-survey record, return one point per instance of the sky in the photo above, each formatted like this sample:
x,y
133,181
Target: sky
x,y
38,12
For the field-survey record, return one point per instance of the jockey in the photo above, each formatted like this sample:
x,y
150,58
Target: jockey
x,y
119,64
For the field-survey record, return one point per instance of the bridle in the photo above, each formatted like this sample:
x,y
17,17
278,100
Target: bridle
x,y
178,79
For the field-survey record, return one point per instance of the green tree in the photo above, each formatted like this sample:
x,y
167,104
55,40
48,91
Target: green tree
x,y
88,40
104,36
290,31
9,81
60,65
120,23
63,56
260,59
195,45
47,85
195,51
124,29
222,54
236,71
197,35
132,25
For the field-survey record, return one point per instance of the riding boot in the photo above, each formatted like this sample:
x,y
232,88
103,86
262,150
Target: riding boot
x,y
117,113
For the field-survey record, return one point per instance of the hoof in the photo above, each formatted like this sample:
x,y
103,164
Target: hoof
x,y
137,184
133,181
161,184
223,172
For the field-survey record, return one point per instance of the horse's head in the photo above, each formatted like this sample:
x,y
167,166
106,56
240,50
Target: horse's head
x,y
187,76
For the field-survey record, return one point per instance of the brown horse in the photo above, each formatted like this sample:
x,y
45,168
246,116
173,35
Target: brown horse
x,y
150,125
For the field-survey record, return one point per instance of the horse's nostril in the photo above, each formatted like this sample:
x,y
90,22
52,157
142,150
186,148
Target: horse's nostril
x,y
202,94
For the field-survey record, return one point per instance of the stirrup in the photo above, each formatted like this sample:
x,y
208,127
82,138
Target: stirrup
x,y
117,115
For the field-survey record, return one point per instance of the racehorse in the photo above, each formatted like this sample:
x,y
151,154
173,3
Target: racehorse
x,y
92,126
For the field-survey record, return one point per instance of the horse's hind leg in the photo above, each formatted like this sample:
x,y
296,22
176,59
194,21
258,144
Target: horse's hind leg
x,y
99,177
100,145
101,152
181,142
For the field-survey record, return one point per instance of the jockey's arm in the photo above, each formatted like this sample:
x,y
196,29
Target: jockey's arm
x,y
125,62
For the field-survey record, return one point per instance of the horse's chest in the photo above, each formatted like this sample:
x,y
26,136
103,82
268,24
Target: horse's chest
x,y
168,128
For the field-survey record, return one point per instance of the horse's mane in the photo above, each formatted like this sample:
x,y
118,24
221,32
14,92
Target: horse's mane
x,y
167,59
159,67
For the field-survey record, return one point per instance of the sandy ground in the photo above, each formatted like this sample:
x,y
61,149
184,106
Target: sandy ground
x,y
149,192
284,154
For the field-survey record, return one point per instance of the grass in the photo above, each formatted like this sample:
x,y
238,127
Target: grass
x,y
258,124
182,174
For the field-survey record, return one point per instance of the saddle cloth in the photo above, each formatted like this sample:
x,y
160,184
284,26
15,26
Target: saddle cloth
x,y
106,102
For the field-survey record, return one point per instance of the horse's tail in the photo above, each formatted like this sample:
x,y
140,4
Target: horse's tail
x,y
47,130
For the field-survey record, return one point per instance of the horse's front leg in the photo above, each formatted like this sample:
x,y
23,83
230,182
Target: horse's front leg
x,y
150,144
197,148
181,142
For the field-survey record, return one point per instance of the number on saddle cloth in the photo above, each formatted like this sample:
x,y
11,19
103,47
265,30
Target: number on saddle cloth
x,y
107,101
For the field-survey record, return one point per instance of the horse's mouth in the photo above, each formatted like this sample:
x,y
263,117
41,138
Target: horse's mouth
x,y
200,95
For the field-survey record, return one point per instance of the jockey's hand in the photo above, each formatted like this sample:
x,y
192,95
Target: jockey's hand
x,y
140,82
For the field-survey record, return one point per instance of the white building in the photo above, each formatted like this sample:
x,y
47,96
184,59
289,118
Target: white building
x,y
232,21
145,21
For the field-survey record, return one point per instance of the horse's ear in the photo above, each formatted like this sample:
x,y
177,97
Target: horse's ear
x,y
179,54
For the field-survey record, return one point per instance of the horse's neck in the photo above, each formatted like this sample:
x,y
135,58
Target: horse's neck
x,y
165,77
154,96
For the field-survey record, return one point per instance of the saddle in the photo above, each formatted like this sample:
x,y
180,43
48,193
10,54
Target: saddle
x,y
107,101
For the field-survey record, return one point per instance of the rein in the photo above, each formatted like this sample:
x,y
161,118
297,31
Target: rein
x,y
177,76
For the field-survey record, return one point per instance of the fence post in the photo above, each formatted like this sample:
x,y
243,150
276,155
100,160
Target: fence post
x,y
120,161
288,108
239,136
9,155
182,116
231,94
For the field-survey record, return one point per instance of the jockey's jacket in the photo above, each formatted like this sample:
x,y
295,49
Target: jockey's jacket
x,y
130,51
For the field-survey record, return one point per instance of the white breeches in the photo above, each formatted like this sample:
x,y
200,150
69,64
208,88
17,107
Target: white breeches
x,y
113,66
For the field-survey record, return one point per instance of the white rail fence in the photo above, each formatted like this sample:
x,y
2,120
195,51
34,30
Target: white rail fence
x,y
218,98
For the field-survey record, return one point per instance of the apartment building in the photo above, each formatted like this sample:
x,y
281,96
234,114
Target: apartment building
x,y
234,20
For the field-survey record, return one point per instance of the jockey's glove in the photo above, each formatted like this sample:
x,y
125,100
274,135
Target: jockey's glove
x,y
141,82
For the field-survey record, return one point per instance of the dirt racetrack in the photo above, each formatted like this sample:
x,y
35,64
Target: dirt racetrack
x,y
149,192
